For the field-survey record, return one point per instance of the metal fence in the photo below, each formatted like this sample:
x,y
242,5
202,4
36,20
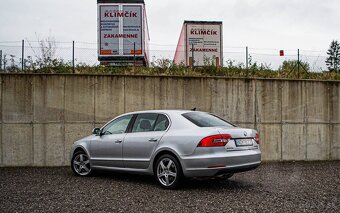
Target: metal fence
x,y
18,54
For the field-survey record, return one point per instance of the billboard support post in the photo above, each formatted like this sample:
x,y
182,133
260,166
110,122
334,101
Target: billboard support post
x,y
73,65
22,55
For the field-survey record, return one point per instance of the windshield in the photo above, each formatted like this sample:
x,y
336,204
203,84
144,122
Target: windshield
x,y
203,119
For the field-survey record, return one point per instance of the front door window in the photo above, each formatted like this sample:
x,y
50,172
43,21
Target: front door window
x,y
117,126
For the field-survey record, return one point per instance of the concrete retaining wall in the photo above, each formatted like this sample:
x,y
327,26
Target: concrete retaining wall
x,y
41,115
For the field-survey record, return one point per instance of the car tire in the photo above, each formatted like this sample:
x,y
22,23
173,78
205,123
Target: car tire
x,y
168,172
80,164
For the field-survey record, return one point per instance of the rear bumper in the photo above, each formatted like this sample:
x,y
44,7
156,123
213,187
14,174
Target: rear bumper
x,y
209,165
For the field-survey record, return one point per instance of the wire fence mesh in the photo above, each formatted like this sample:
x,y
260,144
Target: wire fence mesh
x,y
85,53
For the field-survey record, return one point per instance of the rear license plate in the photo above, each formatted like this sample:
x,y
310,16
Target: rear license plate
x,y
244,142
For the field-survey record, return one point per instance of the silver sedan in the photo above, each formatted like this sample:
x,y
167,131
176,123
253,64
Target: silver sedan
x,y
169,144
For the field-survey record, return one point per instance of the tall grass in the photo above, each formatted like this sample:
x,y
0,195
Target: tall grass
x,y
166,67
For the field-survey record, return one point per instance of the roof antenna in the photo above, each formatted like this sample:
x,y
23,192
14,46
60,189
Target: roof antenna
x,y
194,109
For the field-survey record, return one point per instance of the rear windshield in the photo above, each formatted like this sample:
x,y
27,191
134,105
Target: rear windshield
x,y
202,119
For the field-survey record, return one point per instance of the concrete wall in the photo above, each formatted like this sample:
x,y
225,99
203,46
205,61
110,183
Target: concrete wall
x,y
41,115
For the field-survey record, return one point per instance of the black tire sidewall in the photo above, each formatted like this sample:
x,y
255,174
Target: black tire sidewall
x,y
179,177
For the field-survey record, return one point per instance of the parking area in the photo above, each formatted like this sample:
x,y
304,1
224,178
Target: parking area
x,y
273,187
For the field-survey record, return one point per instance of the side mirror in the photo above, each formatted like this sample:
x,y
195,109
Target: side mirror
x,y
96,131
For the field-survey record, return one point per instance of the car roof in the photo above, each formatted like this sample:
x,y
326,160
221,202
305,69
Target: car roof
x,y
166,111
171,113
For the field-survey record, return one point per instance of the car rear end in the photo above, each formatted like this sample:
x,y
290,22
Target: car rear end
x,y
227,149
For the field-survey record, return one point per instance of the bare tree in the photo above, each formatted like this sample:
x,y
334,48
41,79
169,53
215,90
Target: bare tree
x,y
44,59
48,49
44,55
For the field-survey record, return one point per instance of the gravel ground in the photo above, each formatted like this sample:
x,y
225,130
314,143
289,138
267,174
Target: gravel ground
x,y
273,187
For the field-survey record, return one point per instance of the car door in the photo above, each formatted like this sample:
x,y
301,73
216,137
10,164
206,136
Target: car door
x,y
106,148
146,132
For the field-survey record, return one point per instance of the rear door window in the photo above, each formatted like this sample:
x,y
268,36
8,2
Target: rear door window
x,y
148,122
162,123
145,122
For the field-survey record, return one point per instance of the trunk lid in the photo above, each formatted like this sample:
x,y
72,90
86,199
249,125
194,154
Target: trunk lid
x,y
241,138
238,132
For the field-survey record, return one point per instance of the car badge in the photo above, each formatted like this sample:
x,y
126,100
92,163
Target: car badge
x,y
245,133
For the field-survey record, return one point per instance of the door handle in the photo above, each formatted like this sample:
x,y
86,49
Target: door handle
x,y
153,140
118,141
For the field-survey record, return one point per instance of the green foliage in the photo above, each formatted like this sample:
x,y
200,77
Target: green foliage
x,y
333,61
291,65
166,67
47,63
44,60
293,69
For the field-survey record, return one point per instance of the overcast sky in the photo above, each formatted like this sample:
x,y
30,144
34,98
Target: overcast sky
x,y
263,24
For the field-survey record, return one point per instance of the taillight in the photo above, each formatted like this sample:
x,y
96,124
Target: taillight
x,y
214,140
257,138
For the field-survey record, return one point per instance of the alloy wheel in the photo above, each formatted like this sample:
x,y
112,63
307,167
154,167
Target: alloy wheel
x,y
81,164
167,172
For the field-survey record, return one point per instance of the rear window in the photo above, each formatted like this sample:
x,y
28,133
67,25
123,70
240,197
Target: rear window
x,y
202,119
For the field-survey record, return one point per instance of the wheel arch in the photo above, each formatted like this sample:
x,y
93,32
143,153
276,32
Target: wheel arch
x,y
79,148
164,152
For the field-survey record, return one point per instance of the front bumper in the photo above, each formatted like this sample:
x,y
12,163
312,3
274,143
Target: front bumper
x,y
217,163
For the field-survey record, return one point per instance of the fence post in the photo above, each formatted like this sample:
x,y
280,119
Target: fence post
x,y
0,59
298,64
4,63
73,65
22,55
247,59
